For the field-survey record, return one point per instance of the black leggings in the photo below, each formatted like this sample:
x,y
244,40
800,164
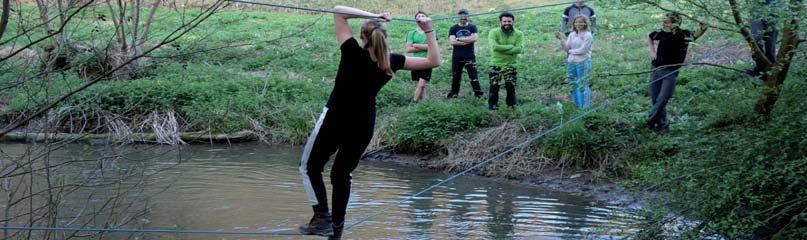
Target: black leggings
x,y
333,134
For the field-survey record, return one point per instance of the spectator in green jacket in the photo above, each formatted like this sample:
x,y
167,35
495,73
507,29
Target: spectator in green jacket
x,y
506,42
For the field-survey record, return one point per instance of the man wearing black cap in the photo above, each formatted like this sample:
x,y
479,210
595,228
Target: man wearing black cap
x,y
463,36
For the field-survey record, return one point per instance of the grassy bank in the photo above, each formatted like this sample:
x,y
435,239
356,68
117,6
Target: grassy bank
x,y
271,73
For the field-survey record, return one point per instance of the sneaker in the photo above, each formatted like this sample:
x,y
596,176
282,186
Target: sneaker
x,y
493,107
337,232
567,81
649,125
320,224
753,72
663,129
451,95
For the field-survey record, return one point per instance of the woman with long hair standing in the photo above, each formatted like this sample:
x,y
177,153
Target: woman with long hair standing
x,y
578,60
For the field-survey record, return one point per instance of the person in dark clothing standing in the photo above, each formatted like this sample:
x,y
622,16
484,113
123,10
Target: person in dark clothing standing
x,y
463,36
346,124
764,31
579,8
673,43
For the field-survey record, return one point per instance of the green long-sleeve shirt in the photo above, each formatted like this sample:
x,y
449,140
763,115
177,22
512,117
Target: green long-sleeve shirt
x,y
505,46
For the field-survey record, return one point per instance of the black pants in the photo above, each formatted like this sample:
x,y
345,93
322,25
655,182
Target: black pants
x,y
334,133
498,74
457,65
662,86
765,34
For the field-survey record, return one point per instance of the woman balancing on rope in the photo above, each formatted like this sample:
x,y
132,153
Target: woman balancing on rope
x,y
346,124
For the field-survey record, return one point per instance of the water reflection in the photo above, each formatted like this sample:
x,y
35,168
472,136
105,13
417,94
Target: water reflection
x,y
472,208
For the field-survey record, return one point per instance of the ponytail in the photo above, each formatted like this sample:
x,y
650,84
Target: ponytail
x,y
376,44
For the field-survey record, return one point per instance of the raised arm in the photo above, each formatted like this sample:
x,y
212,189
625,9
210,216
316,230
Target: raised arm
x,y
702,29
343,32
433,59
561,42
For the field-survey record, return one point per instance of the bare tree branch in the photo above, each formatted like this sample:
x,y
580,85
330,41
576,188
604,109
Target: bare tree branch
x,y
759,57
25,31
149,20
50,33
692,18
790,38
173,36
300,32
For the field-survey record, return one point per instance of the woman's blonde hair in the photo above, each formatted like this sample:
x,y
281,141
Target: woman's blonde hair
x,y
374,33
585,19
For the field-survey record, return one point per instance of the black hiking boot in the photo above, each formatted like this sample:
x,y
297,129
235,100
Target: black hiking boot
x,y
337,232
320,224
662,129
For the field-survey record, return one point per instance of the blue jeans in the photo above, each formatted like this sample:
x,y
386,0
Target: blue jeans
x,y
580,77
662,86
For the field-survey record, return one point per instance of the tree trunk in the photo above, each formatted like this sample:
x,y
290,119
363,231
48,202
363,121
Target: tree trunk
x,y
771,88
4,17
774,76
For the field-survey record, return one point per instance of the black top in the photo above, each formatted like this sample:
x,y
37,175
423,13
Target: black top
x,y
358,81
672,47
458,31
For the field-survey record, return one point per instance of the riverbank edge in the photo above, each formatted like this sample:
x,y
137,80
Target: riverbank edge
x,y
578,182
